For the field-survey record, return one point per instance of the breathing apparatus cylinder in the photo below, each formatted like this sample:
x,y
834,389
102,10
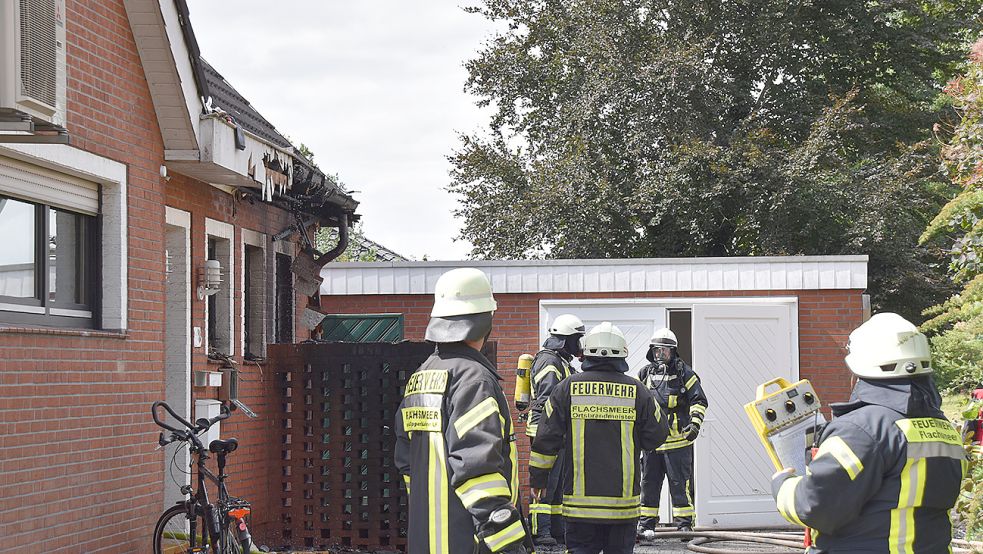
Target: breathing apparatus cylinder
x,y
522,385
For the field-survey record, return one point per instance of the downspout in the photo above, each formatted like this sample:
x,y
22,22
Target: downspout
x,y
339,248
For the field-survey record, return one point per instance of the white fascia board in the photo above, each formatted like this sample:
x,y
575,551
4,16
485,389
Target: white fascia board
x,y
621,275
182,60
217,139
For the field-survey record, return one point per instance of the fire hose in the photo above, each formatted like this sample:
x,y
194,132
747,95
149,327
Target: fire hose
x,y
774,542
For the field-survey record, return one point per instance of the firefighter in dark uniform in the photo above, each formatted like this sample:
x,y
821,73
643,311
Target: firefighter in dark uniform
x,y
601,419
455,444
677,389
549,368
889,465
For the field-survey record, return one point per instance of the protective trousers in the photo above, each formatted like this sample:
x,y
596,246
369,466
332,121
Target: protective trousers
x,y
593,538
546,517
677,464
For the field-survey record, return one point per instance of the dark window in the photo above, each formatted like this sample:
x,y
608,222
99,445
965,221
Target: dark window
x,y
48,265
284,321
681,323
253,298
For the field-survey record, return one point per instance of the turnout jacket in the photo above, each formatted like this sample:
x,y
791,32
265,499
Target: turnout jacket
x,y
887,472
456,450
548,369
602,419
678,391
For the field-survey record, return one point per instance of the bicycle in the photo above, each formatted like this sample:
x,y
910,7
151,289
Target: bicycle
x,y
223,527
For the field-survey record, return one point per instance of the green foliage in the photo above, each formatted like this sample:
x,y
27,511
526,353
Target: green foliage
x,y
958,322
633,128
969,507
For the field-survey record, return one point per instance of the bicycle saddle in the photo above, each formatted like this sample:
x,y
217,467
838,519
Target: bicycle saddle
x,y
219,446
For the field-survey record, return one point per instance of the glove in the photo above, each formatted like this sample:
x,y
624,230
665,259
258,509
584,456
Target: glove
x,y
691,431
499,520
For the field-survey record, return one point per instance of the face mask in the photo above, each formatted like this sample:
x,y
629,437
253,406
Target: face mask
x,y
662,353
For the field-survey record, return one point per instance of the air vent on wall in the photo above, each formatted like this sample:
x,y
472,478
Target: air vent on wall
x,y
39,51
32,60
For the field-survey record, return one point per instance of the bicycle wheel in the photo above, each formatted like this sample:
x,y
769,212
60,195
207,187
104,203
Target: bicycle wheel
x,y
172,535
230,540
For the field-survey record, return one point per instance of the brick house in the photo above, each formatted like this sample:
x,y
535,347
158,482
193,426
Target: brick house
x,y
126,162
740,322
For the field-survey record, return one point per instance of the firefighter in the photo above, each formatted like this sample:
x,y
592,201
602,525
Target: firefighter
x,y
600,419
889,465
550,367
455,444
677,389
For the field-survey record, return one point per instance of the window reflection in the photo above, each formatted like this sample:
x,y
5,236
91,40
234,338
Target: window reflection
x,y
18,249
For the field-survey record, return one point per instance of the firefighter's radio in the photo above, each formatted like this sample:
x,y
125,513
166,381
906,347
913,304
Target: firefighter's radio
x,y
786,421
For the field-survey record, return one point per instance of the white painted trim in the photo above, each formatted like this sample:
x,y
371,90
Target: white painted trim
x,y
70,313
177,218
253,238
588,276
112,175
225,231
285,247
257,240
219,229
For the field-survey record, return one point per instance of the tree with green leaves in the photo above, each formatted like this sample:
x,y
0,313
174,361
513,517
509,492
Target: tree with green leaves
x,y
637,128
958,322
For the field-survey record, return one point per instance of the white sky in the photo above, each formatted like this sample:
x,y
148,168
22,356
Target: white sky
x,y
373,87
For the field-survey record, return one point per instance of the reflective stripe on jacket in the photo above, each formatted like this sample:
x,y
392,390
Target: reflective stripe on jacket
x,y
886,474
680,394
455,446
602,419
548,369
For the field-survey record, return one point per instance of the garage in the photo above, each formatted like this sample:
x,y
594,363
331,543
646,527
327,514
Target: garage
x,y
740,321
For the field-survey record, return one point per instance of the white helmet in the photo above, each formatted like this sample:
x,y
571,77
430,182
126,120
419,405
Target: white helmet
x,y
462,291
664,337
888,346
605,341
566,325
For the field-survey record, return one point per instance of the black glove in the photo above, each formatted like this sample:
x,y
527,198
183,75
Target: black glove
x,y
691,431
499,520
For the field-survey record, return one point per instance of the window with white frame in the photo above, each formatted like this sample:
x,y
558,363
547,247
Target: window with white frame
x,y
49,257
254,295
218,305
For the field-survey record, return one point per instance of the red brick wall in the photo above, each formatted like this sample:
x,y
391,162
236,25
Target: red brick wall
x,y
826,318
78,470
258,451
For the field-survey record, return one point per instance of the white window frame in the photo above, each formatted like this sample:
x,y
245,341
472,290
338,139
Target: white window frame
x,y
112,178
225,231
256,240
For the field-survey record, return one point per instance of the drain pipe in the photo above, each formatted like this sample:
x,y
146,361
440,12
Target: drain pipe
x,y
339,248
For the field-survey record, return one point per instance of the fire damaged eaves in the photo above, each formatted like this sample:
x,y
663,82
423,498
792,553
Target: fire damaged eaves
x,y
290,181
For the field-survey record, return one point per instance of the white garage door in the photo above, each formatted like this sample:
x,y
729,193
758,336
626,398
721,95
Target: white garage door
x,y
737,344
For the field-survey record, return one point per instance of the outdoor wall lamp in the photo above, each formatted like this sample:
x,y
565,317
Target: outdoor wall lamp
x,y
209,278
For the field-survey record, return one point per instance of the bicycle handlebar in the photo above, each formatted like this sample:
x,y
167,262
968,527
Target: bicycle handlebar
x,y
202,424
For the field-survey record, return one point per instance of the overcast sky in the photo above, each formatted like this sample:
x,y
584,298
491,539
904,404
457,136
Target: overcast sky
x,y
373,87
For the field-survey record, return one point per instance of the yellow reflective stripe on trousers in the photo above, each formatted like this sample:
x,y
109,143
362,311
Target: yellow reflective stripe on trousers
x,y
542,461
839,449
601,501
439,543
481,487
475,415
650,511
692,381
601,513
406,479
505,537
685,511
628,458
578,456
786,500
902,536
